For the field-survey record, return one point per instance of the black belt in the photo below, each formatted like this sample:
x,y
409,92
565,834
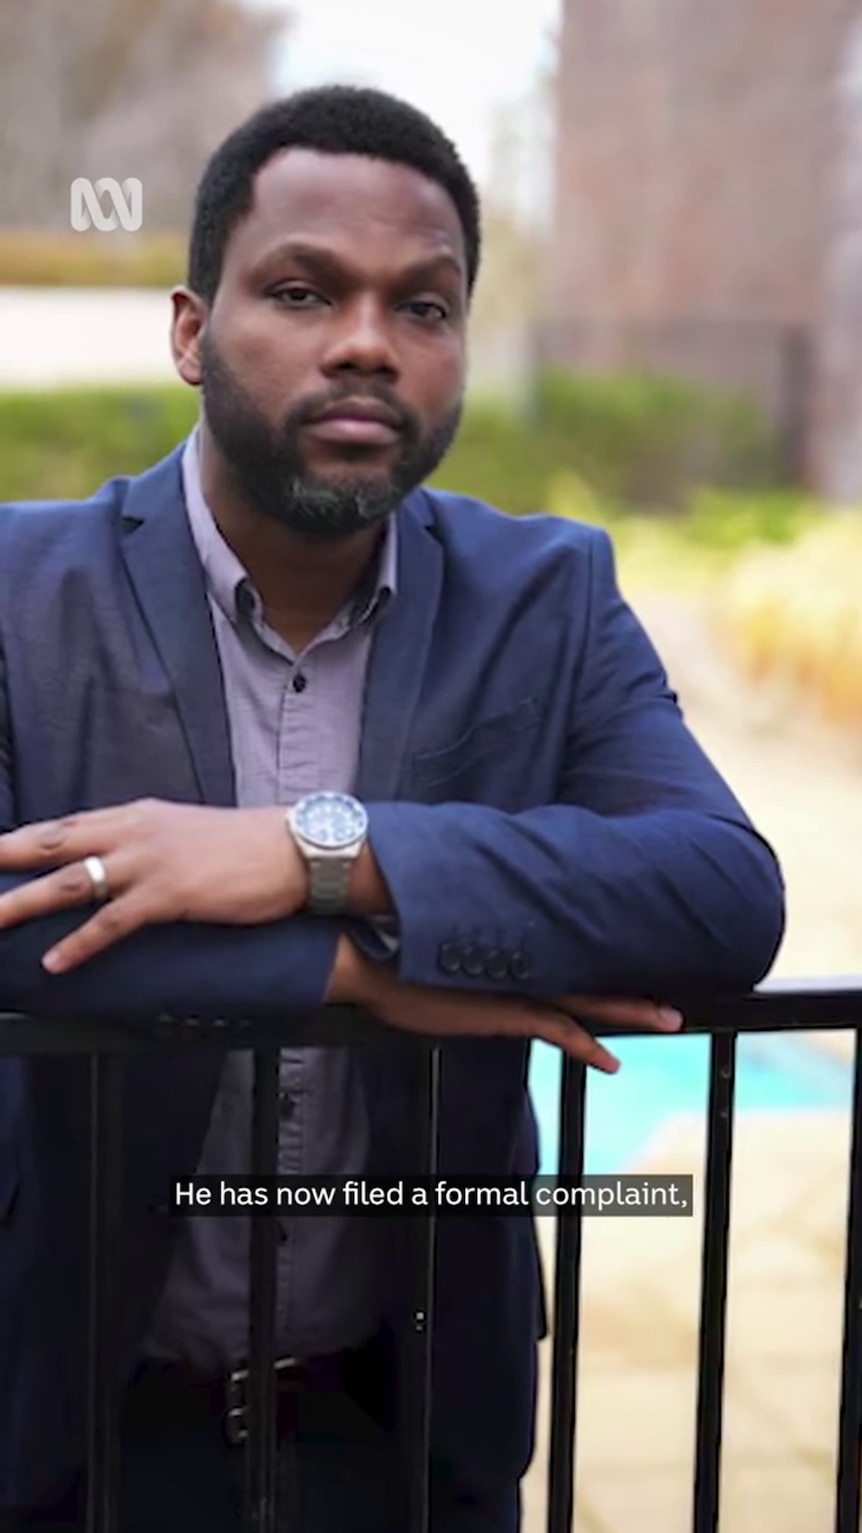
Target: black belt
x,y
175,1394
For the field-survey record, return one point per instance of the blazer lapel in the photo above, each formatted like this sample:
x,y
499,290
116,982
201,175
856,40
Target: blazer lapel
x,y
168,582
165,572
399,656
396,675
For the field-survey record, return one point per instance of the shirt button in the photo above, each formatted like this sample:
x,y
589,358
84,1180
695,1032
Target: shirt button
x,y
286,1104
299,682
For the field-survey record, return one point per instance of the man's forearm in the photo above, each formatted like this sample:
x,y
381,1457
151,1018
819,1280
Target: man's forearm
x,y
560,899
183,968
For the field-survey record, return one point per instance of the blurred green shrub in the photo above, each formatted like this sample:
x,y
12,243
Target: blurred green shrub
x,y
500,458
700,549
729,522
645,441
626,444
65,443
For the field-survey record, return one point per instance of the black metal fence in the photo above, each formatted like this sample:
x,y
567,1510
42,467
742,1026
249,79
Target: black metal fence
x,y
775,1006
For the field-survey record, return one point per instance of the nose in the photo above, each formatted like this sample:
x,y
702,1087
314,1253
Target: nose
x,y
361,341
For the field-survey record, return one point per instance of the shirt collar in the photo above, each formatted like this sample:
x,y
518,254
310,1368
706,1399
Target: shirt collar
x,y
225,576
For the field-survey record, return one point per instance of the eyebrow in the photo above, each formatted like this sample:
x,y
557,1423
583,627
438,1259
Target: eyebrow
x,y
317,259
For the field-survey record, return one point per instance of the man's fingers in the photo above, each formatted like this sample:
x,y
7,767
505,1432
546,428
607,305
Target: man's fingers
x,y
563,1034
64,889
621,1012
458,1015
57,891
559,1030
114,921
49,842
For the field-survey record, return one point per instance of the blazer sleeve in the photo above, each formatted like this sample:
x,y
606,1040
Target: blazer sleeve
x,y
644,877
264,973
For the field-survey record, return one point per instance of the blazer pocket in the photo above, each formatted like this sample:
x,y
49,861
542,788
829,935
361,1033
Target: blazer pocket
x,y
494,736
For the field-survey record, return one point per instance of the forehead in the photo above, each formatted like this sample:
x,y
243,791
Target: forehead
x,y
353,204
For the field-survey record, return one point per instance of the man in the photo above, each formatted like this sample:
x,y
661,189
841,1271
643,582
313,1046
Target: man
x,y
526,834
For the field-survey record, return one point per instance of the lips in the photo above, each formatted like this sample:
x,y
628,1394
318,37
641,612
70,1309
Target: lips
x,y
359,409
363,421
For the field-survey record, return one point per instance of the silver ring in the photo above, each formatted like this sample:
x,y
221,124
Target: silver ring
x,y
98,878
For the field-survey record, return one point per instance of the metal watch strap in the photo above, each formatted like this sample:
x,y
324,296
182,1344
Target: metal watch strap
x,y
329,883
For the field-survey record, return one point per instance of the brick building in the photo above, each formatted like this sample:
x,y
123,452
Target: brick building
x,y
708,190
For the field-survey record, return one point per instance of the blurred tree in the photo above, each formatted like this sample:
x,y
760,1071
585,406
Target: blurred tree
x,y
509,288
515,216
123,88
520,179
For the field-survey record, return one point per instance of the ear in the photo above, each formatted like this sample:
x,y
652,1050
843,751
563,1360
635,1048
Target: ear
x,y
189,314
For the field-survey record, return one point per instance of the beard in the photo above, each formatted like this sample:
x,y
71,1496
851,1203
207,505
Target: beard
x,y
270,468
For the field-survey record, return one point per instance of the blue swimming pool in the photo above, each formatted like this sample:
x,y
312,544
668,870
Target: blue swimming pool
x,y
663,1076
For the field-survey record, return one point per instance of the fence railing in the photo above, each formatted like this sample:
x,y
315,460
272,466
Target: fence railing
x,y
774,1007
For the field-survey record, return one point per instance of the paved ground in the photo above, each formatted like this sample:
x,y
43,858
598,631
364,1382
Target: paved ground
x,y
639,1326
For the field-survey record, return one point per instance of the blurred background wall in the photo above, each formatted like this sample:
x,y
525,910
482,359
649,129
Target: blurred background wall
x,y
699,158
146,85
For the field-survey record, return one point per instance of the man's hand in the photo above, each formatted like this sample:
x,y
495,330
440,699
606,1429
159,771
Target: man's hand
x,y
460,1014
163,862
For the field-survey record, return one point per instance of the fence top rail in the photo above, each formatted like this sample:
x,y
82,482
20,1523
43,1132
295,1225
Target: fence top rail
x,y
831,1003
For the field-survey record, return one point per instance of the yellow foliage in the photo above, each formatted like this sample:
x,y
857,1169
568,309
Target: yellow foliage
x,y
63,258
570,496
794,615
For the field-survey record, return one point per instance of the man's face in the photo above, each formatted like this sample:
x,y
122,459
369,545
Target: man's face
x,y
332,361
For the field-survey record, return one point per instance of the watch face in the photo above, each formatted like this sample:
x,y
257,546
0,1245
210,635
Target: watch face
x,y
331,820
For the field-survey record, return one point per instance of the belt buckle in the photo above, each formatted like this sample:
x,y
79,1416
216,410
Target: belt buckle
x,y
236,1406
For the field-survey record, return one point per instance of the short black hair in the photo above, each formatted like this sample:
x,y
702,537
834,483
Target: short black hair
x,y
333,119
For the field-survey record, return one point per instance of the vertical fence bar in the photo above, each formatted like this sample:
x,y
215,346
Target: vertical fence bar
x,y
260,1479
105,1185
422,1316
713,1300
567,1286
850,1416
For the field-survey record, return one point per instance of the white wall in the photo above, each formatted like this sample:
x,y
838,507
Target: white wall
x,y
55,336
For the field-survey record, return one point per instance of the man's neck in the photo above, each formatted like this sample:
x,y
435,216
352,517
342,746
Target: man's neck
x,y
303,582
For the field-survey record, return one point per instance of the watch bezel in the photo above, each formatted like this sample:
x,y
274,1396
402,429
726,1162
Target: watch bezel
x,y
328,848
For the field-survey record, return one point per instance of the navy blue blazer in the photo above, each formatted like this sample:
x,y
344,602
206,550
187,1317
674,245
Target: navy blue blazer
x,y
540,812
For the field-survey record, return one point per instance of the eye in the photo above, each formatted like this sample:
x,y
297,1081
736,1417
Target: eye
x,y
297,296
427,310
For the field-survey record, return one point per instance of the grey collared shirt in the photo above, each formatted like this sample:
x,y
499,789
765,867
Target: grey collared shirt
x,y
295,723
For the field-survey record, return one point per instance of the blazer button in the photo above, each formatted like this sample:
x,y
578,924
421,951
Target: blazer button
x,y
473,962
449,958
520,966
496,964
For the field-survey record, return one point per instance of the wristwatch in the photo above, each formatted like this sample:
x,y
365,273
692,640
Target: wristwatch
x,y
330,830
